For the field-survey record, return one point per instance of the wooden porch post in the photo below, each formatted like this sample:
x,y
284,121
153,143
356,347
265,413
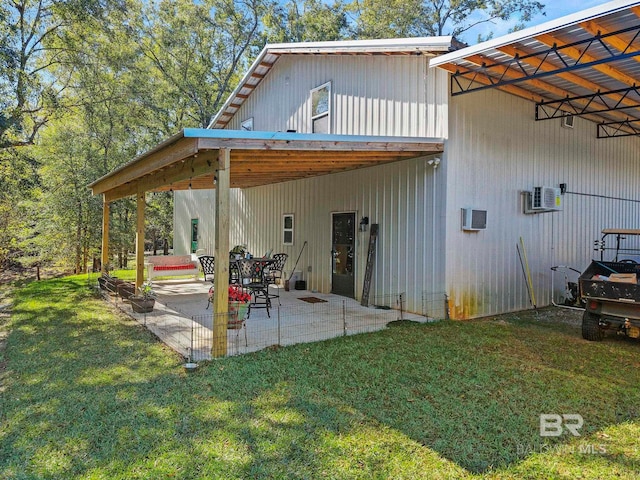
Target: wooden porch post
x,y
221,279
106,206
140,203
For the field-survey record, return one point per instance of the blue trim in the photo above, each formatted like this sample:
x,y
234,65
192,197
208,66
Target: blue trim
x,y
298,137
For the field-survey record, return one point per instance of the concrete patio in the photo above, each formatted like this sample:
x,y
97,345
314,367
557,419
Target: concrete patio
x,y
183,322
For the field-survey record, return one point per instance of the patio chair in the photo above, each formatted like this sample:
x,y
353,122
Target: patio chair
x,y
274,273
252,278
208,263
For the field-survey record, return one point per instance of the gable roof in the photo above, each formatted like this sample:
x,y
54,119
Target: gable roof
x,y
586,64
270,54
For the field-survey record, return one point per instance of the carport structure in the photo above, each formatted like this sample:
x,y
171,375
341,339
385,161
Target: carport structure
x,y
586,64
224,159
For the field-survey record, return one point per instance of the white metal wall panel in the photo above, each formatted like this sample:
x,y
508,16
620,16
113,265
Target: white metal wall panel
x,y
371,95
399,197
495,151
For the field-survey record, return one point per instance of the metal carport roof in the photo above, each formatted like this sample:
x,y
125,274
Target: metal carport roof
x,y
585,64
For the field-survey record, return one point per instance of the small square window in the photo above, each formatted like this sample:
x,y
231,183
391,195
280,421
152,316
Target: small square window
x,y
287,229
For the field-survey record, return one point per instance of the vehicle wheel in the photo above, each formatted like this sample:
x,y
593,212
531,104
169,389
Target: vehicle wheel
x,y
590,328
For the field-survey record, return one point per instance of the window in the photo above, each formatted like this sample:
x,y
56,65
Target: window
x,y
287,229
321,108
247,125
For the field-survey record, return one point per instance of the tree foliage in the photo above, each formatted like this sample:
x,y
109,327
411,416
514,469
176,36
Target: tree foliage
x,y
407,18
307,21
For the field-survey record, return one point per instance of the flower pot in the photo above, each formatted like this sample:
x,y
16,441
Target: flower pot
x,y
141,304
112,284
125,290
237,313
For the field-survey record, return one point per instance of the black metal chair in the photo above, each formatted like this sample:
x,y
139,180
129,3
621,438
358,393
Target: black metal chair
x,y
274,273
252,277
208,263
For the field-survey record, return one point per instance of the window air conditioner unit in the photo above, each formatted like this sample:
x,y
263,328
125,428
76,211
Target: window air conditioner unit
x,y
474,220
546,198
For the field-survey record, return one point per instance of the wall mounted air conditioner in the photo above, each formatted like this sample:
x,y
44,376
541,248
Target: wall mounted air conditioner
x,y
546,199
473,220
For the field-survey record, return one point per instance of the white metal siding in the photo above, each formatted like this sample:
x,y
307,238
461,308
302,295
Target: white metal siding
x,y
399,197
370,95
496,150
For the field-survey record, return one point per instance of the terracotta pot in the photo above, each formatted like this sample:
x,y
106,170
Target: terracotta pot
x,y
142,305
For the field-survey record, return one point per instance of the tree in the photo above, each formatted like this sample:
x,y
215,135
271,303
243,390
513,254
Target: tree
x,y
29,96
198,50
407,18
19,187
307,21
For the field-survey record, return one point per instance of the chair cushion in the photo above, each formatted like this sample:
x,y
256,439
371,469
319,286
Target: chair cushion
x,y
189,266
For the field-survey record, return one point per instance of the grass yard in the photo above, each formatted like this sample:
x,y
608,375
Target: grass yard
x,y
87,393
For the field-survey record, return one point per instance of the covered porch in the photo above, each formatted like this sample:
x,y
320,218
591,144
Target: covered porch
x,y
224,159
182,320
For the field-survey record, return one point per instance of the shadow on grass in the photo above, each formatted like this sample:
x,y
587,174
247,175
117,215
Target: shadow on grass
x,y
91,393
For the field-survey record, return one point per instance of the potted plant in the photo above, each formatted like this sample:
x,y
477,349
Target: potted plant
x,y
238,306
145,300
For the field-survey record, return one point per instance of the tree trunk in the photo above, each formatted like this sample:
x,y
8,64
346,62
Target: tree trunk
x,y
154,239
78,240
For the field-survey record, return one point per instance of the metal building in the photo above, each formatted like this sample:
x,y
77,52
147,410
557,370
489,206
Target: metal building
x,y
526,140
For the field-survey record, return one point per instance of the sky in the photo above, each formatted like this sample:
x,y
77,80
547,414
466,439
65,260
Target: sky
x,y
553,9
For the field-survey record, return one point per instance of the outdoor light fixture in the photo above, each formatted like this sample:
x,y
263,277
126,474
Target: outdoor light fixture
x,y
434,162
363,224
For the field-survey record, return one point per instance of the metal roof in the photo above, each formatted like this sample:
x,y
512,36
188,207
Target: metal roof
x,y
270,53
584,64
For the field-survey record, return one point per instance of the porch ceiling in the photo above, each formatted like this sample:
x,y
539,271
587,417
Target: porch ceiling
x,y
188,159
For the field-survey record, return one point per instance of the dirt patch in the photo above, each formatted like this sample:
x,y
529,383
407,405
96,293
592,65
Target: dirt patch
x,y
17,273
568,316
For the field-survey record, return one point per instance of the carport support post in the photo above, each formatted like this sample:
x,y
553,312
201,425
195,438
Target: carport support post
x,y
221,278
106,206
140,203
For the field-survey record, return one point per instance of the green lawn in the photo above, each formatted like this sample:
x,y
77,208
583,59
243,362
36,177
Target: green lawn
x,y
87,393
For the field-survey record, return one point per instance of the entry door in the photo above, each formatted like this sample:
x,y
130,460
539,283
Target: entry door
x,y
343,252
194,235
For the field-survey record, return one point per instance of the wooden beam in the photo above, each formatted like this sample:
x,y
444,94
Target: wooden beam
x,y
318,145
571,77
221,253
595,28
161,158
547,87
106,207
518,91
575,53
196,166
140,204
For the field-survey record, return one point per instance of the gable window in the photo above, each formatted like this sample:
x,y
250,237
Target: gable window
x,y
321,108
287,229
247,125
